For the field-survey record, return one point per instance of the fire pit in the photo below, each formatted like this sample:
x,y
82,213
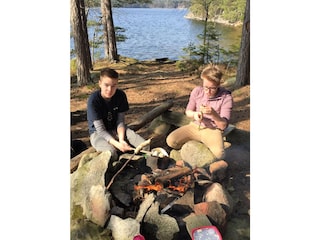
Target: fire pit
x,y
177,190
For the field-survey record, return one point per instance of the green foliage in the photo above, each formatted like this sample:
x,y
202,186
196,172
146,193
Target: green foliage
x,y
230,10
233,10
96,42
200,8
92,3
151,3
207,52
232,56
210,50
191,61
123,3
120,37
73,67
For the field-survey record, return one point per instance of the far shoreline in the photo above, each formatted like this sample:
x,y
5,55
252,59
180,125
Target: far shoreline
x,y
191,16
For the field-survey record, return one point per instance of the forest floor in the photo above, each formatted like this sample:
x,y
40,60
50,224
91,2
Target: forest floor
x,y
148,84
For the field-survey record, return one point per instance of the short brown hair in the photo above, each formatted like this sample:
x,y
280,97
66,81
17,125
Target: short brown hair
x,y
212,73
109,72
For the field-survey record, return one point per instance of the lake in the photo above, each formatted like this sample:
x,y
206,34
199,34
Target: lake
x,y
158,32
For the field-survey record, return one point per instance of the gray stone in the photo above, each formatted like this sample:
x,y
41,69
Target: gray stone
x,y
123,229
216,192
196,154
176,155
218,170
159,226
88,189
144,206
159,127
214,211
194,221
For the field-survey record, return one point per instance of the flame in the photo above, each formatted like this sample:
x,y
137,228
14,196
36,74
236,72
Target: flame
x,y
157,187
181,189
183,185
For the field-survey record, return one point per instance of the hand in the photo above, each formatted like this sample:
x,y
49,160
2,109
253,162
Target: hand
x,y
198,116
206,109
123,146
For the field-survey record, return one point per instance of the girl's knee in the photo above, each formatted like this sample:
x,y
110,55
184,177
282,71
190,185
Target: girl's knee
x,y
172,143
219,154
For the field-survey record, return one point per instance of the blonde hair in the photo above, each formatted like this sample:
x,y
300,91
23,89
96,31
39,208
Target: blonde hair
x,y
211,73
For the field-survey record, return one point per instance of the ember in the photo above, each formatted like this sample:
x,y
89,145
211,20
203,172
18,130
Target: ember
x,y
175,179
183,185
157,187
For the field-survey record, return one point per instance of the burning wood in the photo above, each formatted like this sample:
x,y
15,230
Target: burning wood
x,y
175,179
157,187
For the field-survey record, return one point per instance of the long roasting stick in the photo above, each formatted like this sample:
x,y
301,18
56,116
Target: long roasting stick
x,y
136,151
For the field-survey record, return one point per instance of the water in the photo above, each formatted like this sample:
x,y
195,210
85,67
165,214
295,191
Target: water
x,y
157,32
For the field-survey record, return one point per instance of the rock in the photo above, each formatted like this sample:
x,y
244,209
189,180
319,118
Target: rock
x,y
118,211
186,200
218,170
152,162
194,221
123,229
88,188
216,192
214,211
157,226
196,154
159,127
87,230
175,154
144,206
97,205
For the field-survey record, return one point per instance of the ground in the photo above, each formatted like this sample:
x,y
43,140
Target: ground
x,y
148,84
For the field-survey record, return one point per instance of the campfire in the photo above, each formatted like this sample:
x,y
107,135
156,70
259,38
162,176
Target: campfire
x,y
177,190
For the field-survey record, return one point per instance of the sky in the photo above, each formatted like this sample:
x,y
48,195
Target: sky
x,y
35,119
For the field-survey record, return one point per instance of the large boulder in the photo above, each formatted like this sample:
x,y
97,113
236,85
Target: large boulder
x,y
88,188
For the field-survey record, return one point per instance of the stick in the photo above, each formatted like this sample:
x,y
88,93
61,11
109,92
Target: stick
x,y
136,151
114,176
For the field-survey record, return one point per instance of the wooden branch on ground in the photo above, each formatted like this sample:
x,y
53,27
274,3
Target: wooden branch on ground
x,y
175,118
148,117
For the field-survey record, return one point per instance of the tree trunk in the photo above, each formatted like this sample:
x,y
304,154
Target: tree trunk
x,y
109,35
81,41
243,72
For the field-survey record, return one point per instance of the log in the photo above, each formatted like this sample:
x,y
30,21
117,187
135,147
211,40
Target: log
x,y
148,117
173,173
175,118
